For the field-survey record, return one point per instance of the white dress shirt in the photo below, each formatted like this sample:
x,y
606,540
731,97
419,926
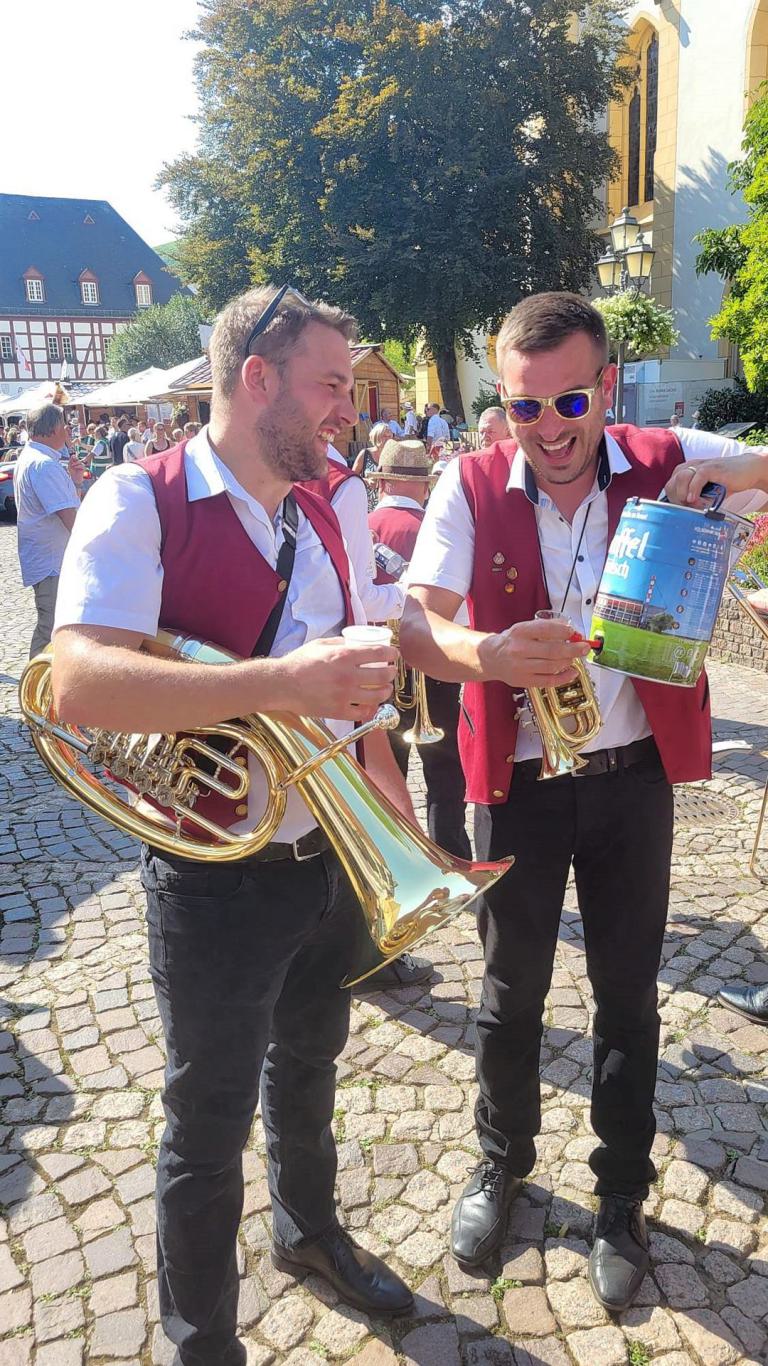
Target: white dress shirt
x,y
42,487
438,429
411,425
444,558
113,576
381,601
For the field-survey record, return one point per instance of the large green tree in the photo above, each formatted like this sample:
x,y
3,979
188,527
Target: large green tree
x,y
739,253
163,335
424,164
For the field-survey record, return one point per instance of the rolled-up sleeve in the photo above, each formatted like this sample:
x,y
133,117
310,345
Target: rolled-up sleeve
x,y
53,486
445,547
112,574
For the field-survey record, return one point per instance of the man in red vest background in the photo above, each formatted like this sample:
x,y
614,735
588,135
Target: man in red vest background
x,y
404,479
216,538
521,527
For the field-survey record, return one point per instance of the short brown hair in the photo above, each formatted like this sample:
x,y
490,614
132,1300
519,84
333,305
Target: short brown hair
x,y
236,321
542,321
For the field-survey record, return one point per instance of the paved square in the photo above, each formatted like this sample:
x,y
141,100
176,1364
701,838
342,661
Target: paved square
x,y
80,1116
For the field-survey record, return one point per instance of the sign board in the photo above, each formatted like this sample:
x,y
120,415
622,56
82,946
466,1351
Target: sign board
x,y
661,400
680,408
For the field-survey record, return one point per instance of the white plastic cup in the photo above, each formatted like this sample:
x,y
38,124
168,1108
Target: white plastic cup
x,y
367,635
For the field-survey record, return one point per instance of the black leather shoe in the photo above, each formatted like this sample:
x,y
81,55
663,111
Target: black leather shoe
x,y
480,1218
362,1280
751,1002
404,971
619,1259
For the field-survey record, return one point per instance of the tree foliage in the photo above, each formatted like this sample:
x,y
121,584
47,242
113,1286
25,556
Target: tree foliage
x,y
163,335
637,320
740,254
733,403
424,164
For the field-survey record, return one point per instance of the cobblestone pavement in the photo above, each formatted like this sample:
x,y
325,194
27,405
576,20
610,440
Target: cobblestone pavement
x,y
80,1116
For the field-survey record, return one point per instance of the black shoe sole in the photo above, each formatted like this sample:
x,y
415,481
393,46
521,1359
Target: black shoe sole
x,y
745,1014
298,1270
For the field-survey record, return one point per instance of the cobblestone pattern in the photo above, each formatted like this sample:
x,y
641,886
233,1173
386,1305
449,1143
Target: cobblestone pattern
x,y
80,1117
737,640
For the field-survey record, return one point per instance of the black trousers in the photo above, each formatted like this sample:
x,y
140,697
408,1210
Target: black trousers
x,y
443,775
616,830
246,960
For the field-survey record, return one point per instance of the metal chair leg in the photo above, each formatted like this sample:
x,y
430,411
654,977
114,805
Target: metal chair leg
x,y
760,822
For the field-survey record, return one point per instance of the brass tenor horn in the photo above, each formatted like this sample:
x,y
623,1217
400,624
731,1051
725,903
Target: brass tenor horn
x,y
405,884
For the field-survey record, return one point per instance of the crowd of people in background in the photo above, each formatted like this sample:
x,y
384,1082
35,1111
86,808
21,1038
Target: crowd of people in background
x,y
110,441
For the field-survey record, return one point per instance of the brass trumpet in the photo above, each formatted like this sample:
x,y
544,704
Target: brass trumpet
x,y
567,718
405,884
413,697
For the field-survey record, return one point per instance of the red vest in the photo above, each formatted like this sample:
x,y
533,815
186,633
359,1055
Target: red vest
x,y
398,529
216,585
506,522
333,480
224,597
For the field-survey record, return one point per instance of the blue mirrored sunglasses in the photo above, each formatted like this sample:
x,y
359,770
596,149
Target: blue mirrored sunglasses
x,y
570,406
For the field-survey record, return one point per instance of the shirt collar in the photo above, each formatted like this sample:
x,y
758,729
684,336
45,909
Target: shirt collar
x,y
45,450
612,461
208,476
396,500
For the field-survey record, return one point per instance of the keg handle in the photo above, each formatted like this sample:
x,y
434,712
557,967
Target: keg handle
x,y
717,492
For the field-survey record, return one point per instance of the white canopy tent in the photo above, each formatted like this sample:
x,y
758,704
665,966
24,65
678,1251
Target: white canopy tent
x,y
125,392
29,399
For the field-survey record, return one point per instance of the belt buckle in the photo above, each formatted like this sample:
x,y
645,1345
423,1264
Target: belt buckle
x,y
303,858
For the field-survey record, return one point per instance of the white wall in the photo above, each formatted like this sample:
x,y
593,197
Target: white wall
x,y
474,375
711,104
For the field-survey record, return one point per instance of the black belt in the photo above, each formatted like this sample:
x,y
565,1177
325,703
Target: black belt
x,y
306,846
598,761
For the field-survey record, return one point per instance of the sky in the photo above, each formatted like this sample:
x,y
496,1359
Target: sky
x,y
105,96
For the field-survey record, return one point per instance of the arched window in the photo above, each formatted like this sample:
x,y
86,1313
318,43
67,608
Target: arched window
x,y
633,150
651,111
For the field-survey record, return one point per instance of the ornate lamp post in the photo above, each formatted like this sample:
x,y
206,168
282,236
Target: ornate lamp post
x,y
625,266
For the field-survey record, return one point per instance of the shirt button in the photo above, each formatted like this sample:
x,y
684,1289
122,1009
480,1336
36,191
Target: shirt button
x,y
509,588
497,792
580,559
241,810
283,584
588,602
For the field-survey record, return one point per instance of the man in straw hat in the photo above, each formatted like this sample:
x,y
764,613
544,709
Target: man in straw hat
x,y
404,479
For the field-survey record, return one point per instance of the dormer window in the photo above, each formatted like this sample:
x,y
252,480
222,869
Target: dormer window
x,y
34,287
143,288
89,287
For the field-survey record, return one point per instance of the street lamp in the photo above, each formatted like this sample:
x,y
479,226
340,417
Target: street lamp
x,y
625,265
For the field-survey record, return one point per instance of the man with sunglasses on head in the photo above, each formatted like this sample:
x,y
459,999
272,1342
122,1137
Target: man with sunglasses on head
x,y
217,539
521,528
